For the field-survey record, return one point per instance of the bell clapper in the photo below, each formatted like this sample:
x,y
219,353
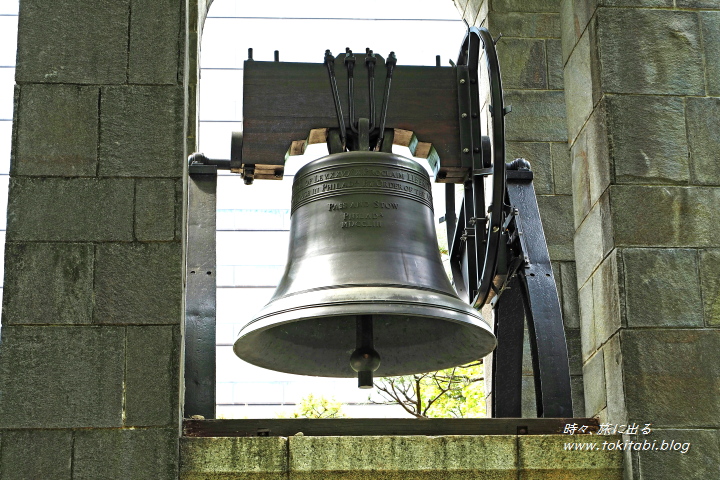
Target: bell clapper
x,y
364,360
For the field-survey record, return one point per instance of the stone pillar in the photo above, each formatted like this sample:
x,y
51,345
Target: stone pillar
x,y
642,87
90,366
530,56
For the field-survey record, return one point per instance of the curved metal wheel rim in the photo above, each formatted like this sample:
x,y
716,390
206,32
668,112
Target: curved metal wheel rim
x,y
469,55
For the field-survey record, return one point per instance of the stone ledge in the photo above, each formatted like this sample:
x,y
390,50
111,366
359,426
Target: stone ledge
x,y
233,458
396,457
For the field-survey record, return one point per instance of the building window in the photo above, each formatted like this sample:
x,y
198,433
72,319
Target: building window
x,y
8,47
256,218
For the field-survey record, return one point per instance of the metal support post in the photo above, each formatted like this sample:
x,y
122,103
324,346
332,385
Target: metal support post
x,y
507,359
200,303
542,305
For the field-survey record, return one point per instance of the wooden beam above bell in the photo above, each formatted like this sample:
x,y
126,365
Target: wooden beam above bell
x,y
283,101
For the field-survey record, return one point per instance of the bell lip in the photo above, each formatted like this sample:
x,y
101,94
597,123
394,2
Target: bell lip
x,y
278,312
486,343
386,299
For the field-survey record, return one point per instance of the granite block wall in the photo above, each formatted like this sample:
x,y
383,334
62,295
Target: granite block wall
x,y
641,94
90,368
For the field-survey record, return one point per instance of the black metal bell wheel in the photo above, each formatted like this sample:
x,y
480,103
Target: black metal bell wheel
x,y
486,181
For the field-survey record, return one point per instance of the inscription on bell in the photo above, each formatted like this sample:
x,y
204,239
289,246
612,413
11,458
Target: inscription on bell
x,y
361,219
362,172
362,216
376,204
361,223
329,187
335,181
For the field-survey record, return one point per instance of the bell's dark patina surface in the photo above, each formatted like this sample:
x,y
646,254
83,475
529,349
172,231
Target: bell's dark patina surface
x,y
364,277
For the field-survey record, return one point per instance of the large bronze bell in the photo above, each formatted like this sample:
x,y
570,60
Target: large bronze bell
x,y
364,288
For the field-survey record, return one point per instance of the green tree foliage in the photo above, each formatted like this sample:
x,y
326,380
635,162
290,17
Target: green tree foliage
x,y
313,406
455,392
